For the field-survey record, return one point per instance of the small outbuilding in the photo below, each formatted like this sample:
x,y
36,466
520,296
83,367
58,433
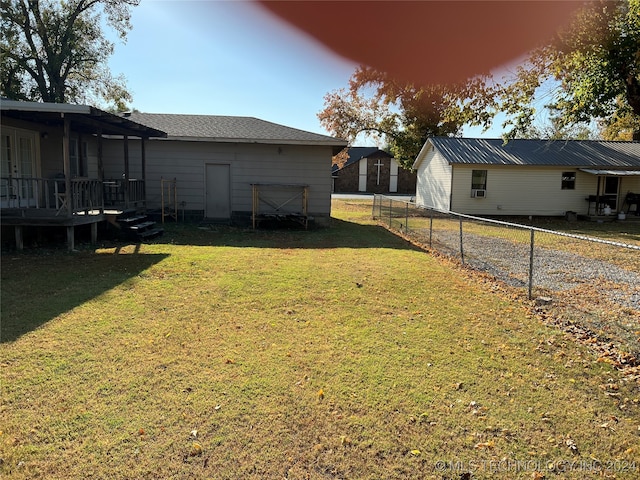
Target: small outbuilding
x,y
371,170
529,177
233,169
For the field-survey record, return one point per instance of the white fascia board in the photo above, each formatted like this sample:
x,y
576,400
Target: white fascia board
x,y
421,154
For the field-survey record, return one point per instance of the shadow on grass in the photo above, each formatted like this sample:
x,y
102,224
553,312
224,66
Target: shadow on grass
x,y
341,234
37,287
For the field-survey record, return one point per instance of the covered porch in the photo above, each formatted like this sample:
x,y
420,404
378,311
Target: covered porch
x,y
617,194
53,166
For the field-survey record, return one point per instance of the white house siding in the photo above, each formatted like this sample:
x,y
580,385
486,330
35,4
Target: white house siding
x,y
249,163
519,190
434,181
628,184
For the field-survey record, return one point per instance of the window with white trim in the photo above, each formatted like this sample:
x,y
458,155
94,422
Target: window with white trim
x,y
568,180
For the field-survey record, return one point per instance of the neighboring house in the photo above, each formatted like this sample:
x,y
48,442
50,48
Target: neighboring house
x,y
371,170
229,168
52,162
528,177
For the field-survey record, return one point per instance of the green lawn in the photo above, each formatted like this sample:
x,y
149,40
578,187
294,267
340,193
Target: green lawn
x,y
335,353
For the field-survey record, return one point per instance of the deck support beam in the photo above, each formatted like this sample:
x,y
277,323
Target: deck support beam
x,y
19,238
71,238
94,233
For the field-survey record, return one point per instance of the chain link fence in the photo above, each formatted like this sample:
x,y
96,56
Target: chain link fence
x,y
598,278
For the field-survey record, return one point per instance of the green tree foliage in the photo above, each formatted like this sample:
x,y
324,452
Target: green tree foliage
x,y
402,115
595,67
56,50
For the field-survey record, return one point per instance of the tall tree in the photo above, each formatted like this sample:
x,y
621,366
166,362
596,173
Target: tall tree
x,y
594,66
57,51
402,115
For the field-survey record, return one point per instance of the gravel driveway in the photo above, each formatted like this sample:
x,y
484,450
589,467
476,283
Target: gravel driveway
x,y
554,270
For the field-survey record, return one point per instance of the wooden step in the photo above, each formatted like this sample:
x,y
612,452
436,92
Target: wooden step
x,y
154,232
134,219
141,226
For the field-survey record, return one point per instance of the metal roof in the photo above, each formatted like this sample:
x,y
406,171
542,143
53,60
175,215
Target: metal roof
x,y
83,118
219,128
614,173
568,153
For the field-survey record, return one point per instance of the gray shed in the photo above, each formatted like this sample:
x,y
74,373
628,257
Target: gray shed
x,y
230,168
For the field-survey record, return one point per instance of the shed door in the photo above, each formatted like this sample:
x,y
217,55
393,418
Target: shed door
x,y
218,191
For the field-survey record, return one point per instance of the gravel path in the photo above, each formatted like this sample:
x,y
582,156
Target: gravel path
x,y
555,270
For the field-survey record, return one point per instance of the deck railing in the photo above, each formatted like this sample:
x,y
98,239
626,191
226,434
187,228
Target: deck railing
x,y
50,194
86,194
122,193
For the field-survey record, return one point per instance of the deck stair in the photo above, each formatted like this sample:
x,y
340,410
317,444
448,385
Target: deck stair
x,y
138,226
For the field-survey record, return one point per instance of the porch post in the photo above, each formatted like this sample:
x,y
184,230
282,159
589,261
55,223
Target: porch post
x,y
100,162
67,165
126,171
144,171
597,195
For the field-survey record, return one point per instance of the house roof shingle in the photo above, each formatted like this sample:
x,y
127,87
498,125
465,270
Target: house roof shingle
x,y
358,153
569,153
233,129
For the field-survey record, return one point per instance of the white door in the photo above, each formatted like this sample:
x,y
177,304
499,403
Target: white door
x,y
218,191
18,167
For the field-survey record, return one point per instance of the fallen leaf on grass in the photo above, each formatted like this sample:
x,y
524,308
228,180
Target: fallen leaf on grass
x,y
489,444
320,394
196,450
415,452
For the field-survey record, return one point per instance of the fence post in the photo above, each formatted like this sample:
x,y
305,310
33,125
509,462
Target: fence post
x,y
461,247
430,225
531,264
390,210
406,218
373,209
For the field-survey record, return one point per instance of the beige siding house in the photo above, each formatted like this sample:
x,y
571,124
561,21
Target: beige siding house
x,y
529,177
221,163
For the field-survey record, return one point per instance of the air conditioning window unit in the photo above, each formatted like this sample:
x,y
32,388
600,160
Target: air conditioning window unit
x,y
478,193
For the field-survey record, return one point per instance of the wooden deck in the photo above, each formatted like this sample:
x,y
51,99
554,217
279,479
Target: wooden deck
x,y
20,218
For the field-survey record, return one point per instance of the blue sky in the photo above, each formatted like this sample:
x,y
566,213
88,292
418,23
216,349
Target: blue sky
x,y
228,58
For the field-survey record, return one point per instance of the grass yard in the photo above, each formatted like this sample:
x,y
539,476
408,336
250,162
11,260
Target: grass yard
x,y
335,353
